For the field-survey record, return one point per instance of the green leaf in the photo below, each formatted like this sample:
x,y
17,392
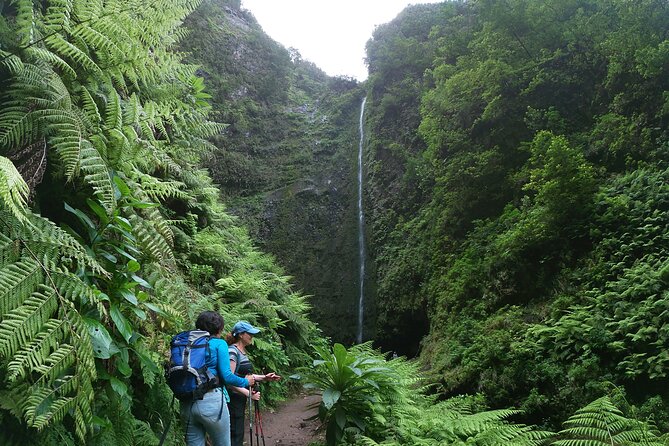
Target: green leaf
x,y
122,324
153,307
123,366
141,281
147,362
139,312
143,204
129,296
340,417
83,218
133,266
103,345
122,189
123,222
330,397
99,211
108,256
119,386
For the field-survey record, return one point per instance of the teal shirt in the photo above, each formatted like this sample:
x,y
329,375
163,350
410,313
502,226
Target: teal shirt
x,y
218,363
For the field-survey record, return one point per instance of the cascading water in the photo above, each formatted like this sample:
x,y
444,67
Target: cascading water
x,y
361,229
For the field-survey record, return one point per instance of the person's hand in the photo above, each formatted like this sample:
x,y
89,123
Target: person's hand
x,y
255,396
271,376
251,379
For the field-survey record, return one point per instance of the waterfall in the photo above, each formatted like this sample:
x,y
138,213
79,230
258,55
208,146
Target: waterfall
x,y
361,229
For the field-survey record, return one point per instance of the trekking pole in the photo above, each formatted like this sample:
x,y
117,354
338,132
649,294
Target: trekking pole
x,y
255,403
259,423
250,419
169,423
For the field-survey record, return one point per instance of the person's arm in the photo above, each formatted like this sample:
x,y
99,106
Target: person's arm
x,y
224,372
271,376
245,392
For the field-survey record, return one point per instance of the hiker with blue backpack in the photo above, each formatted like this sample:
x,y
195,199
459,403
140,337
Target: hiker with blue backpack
x,y
241,337
198,372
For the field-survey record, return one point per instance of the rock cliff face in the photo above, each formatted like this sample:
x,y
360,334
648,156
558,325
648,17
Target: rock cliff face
x,y
287,162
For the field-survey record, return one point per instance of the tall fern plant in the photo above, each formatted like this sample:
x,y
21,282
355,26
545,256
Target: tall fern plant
x,y
93,96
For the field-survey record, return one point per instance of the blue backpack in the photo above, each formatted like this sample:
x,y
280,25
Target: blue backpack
x,y
187,373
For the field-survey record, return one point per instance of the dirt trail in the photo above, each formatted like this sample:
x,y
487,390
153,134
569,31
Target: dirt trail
x,y
289,426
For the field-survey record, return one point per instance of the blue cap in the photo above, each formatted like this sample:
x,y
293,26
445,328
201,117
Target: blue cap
x,y
244,327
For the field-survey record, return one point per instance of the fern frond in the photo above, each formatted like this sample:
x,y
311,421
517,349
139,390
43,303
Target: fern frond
x,y
57,16
33,354
97,175
54,246
17,282
142,433
96,39
113,116
13,189
56,43
41,54
67,137
21,324
90,108
207,129
25,21
88,10
602,423
56,364
57,411
66,383
72,288
11,62
40,402
9,253
17,127
157,190
151,239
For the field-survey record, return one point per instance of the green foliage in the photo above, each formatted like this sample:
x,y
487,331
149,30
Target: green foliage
x,y
602,423
517,199
359,386
360,392
103,127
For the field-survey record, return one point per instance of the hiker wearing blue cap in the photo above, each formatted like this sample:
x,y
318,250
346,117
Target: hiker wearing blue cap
x,y
240,338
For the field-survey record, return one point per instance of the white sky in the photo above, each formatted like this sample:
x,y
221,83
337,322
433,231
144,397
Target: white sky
x,y
330,33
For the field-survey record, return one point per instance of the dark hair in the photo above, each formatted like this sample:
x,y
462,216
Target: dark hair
x,y
231,338
210,321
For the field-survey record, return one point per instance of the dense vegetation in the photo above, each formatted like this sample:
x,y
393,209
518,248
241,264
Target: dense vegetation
x,y
112,237
525,148
368,400
517,196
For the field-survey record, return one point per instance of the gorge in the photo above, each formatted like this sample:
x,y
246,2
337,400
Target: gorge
x,y
489,209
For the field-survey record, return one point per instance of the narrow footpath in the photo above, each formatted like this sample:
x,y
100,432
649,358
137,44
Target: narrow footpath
x,y
290,424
